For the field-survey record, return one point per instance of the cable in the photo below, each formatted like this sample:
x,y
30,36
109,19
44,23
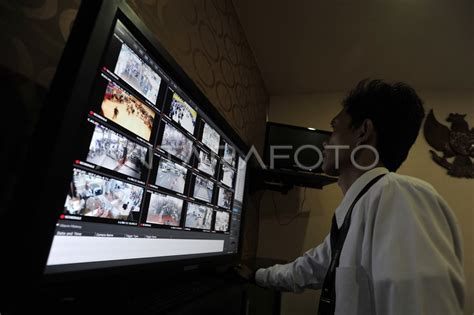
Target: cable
x,y
298,213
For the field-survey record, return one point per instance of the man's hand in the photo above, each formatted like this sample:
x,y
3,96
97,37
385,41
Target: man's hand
x,y
245,273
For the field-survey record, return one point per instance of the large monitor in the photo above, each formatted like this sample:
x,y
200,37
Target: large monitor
x,y
152,172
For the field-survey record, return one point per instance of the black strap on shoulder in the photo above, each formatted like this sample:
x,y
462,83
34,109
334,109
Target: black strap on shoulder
x,y
327,301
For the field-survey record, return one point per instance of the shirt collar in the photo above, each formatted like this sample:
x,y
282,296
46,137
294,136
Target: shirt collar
x,y
354,190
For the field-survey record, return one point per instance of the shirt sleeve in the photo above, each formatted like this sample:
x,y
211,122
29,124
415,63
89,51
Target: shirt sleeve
x,y
416,254
307,271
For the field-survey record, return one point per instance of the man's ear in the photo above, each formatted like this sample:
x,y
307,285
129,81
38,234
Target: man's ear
x,y
366,132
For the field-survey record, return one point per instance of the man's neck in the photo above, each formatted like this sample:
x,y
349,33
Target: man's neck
x,y
348,176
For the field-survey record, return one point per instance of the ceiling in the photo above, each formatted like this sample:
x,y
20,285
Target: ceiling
x,y
329,45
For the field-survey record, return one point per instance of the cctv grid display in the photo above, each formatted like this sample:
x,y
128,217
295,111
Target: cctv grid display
x,y
151,159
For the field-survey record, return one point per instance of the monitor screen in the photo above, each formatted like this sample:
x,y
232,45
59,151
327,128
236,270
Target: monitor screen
x,y
156,179
211,138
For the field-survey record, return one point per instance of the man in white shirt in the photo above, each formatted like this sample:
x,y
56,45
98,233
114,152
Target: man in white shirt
x,y
402,254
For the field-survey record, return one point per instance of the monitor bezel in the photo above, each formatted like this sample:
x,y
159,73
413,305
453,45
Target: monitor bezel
x,y
61,119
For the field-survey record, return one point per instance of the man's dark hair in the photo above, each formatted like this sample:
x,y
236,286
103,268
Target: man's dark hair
x,y
396,112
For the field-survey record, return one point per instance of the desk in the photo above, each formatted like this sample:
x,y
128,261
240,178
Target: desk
x,y
224,294
212,293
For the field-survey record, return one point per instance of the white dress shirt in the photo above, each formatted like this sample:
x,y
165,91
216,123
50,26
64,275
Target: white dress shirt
x,y
402,254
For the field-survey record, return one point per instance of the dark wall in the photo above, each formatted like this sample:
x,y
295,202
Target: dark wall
x,y
33,35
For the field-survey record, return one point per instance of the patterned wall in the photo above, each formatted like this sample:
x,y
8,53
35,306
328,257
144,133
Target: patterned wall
x,y
33,34
204,36
206,39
